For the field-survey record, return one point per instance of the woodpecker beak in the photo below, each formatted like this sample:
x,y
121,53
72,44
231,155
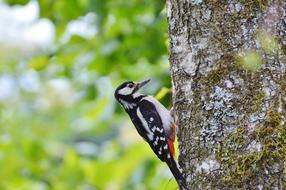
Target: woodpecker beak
x,y
141,84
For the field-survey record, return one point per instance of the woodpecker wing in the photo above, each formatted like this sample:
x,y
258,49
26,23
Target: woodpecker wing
x,y
152,123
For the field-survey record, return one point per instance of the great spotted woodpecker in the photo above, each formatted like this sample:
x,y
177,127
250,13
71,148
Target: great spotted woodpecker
x,y
153,122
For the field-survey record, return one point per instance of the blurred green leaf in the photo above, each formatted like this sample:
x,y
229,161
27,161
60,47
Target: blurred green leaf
x,y
98,108
39,62
250,60
268,42
162,93
16,2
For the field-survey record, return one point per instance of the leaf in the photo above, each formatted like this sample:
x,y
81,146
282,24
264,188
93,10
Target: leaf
x,y
39,62
162,93
16,2
96,111
268,42
250,60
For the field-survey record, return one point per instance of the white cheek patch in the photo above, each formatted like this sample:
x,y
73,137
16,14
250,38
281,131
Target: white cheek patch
x,y
125,91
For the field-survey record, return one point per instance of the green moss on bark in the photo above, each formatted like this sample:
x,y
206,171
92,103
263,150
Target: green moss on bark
x,y
242,163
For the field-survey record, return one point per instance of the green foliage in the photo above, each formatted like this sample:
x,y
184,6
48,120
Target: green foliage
x,y
61,128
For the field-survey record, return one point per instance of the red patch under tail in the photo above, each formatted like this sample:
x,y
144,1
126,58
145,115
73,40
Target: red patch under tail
x,y
171,140
171,146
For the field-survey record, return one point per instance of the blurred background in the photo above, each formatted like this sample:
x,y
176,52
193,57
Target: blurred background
x,y
60,62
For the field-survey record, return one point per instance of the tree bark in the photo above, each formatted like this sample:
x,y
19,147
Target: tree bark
x,y
228,61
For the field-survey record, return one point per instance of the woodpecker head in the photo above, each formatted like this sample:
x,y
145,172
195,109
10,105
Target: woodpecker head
x,y
127,93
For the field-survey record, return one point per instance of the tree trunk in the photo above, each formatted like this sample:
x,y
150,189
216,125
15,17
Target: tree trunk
x,y
228,61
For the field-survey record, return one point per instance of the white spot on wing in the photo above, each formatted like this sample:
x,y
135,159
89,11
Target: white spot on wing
x,y
160,130
156,141
150,135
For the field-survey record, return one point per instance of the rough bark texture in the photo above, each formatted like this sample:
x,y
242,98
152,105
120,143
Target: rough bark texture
x,y
232,120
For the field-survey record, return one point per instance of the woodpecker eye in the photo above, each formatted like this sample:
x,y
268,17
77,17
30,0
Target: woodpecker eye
x,y
130,85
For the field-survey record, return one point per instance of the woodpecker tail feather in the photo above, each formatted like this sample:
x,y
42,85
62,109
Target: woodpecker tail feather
x,y
177,174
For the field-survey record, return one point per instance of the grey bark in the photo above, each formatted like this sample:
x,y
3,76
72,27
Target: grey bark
x,y
231,119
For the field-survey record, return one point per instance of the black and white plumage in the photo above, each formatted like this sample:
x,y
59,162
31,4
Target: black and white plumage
x,y
153,122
